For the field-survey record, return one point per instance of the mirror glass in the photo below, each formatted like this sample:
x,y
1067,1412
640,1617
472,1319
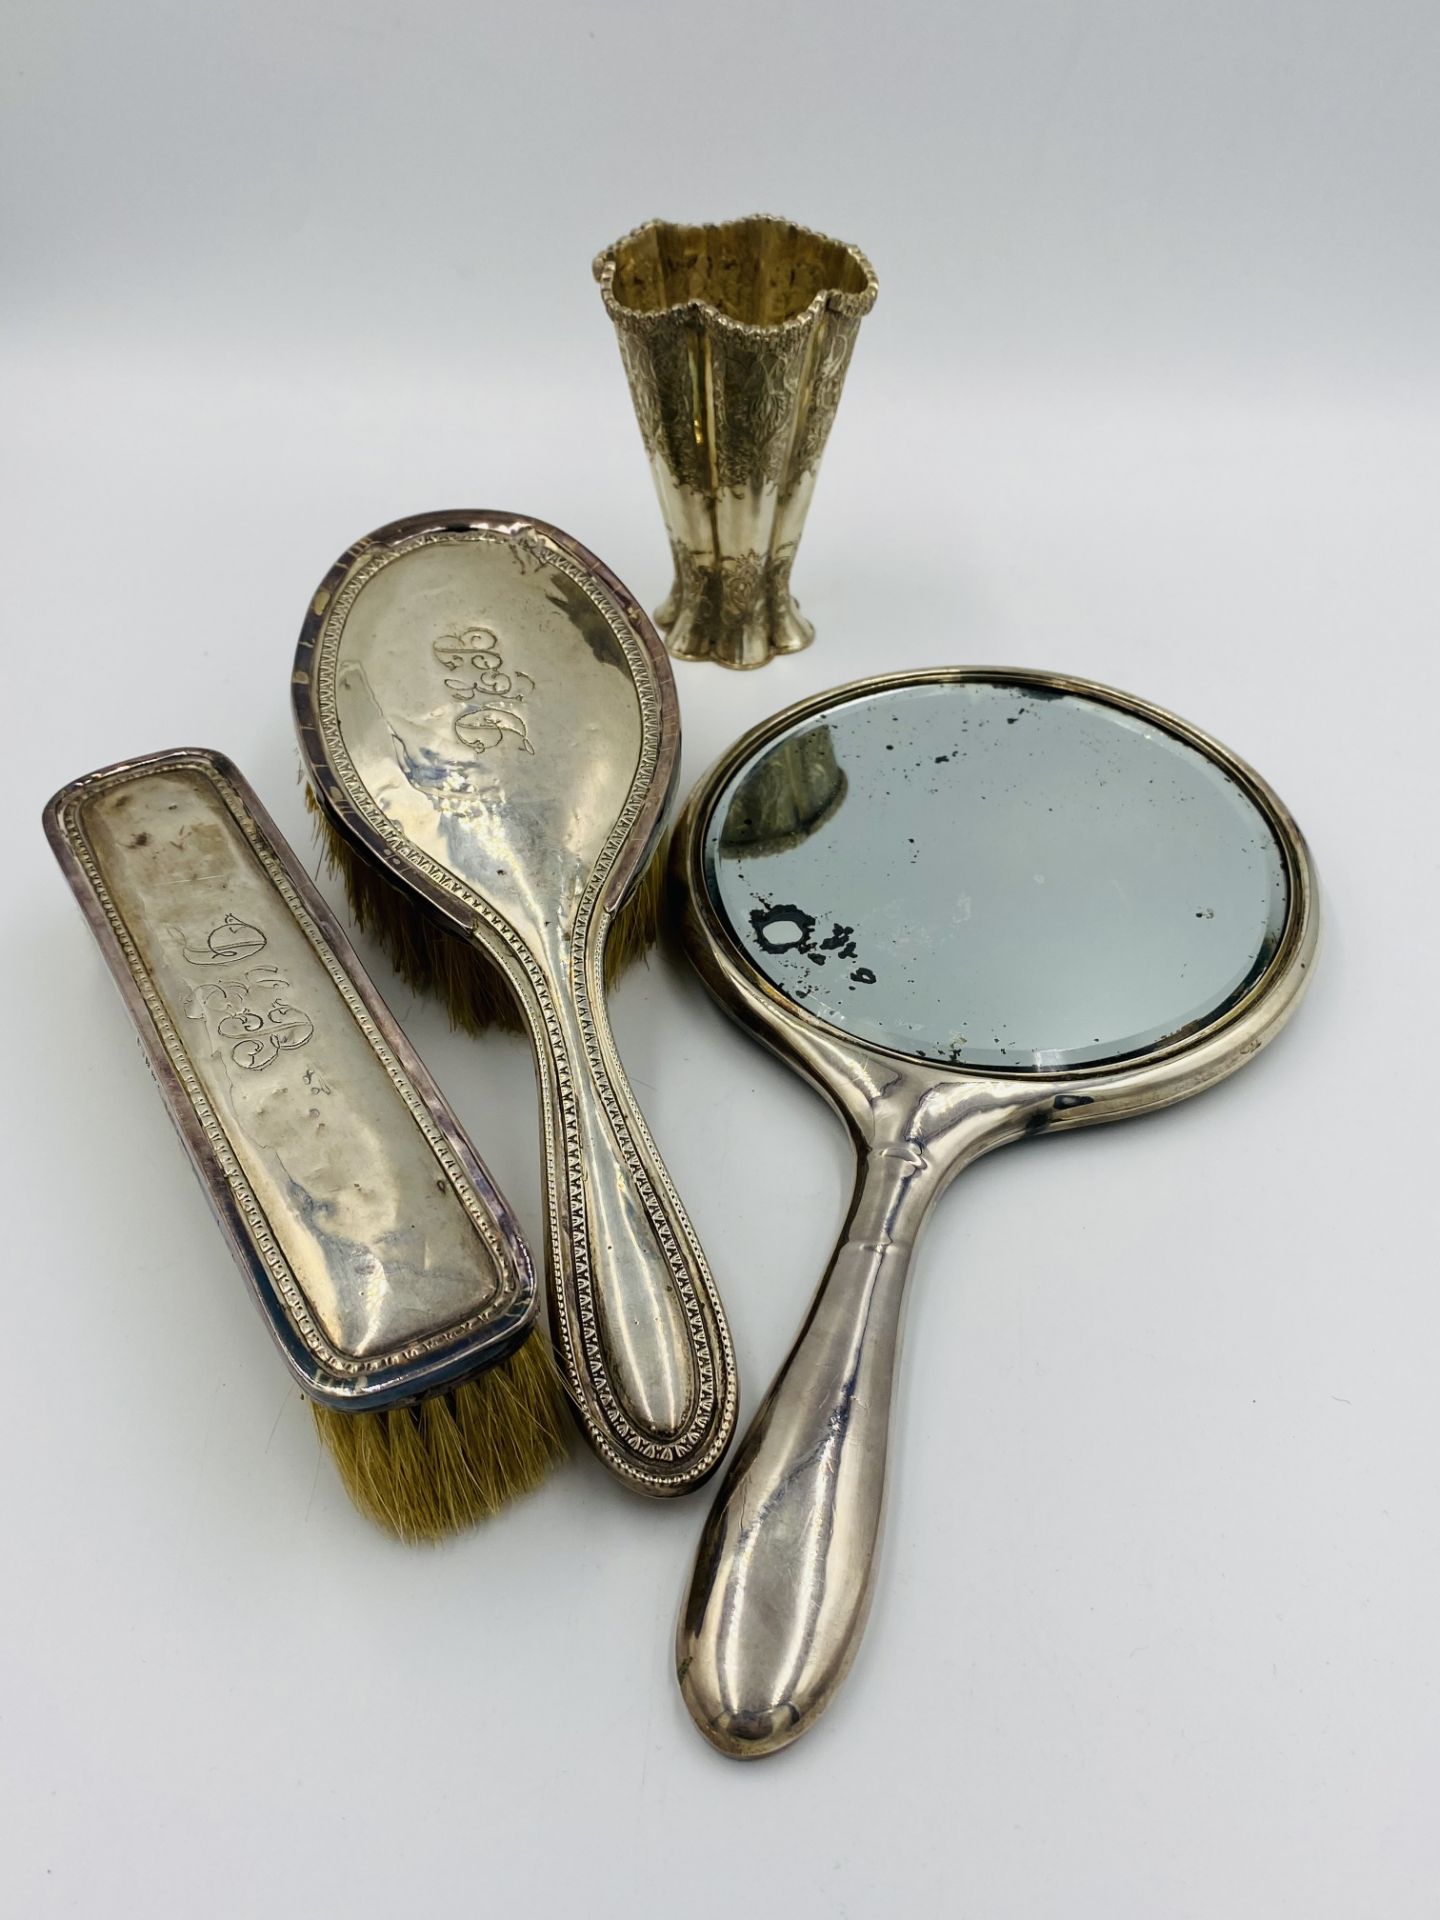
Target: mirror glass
x,y
982,873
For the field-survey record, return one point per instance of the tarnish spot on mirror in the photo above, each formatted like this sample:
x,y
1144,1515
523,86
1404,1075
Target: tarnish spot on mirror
x,y
783,929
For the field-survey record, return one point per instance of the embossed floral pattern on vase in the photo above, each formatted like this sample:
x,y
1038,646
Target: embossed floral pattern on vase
x,y
736,339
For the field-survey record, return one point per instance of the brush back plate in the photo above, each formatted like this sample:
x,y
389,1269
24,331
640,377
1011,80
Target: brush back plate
x,y
380,1254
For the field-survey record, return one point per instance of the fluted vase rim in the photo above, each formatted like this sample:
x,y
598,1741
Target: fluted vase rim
x,y
834,299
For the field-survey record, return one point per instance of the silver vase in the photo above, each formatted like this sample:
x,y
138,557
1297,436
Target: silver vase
x,y
736,339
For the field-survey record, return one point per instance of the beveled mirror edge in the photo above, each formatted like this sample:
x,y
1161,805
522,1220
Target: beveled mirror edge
x,y
848,1070
416,1377
339,805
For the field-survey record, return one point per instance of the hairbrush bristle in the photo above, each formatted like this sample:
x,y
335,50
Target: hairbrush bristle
x,y
637,924
431,959
453,1458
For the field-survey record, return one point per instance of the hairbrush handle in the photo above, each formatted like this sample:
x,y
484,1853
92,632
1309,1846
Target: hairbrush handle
x,y
783,1573
639,1329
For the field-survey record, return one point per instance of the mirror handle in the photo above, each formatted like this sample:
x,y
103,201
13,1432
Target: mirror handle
x,y
783,1575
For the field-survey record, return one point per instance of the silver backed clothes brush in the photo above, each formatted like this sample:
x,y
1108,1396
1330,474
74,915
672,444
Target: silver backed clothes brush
x,y
489,726
391,1273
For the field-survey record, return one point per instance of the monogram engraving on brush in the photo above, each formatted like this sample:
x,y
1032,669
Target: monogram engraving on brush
x,y
490,693
261,1040
232,940
259,1034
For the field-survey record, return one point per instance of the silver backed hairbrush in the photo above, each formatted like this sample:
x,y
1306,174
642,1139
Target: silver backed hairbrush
x,y
389,1270
490,729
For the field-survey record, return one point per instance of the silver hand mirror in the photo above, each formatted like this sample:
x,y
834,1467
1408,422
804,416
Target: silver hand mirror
x,y
971,905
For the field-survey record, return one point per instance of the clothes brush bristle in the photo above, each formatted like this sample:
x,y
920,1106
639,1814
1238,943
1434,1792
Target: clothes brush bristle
x,y
434,1467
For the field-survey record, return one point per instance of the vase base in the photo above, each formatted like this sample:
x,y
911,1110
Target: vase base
x,y
705,619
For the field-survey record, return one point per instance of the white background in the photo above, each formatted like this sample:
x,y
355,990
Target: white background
x,y
1150,394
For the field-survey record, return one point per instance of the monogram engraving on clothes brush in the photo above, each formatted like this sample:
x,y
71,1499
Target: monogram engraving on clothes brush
x,y
259,1034
232,940
490,693
261,1040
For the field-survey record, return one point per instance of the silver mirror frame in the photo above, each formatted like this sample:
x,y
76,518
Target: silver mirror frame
x,y
783,1574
